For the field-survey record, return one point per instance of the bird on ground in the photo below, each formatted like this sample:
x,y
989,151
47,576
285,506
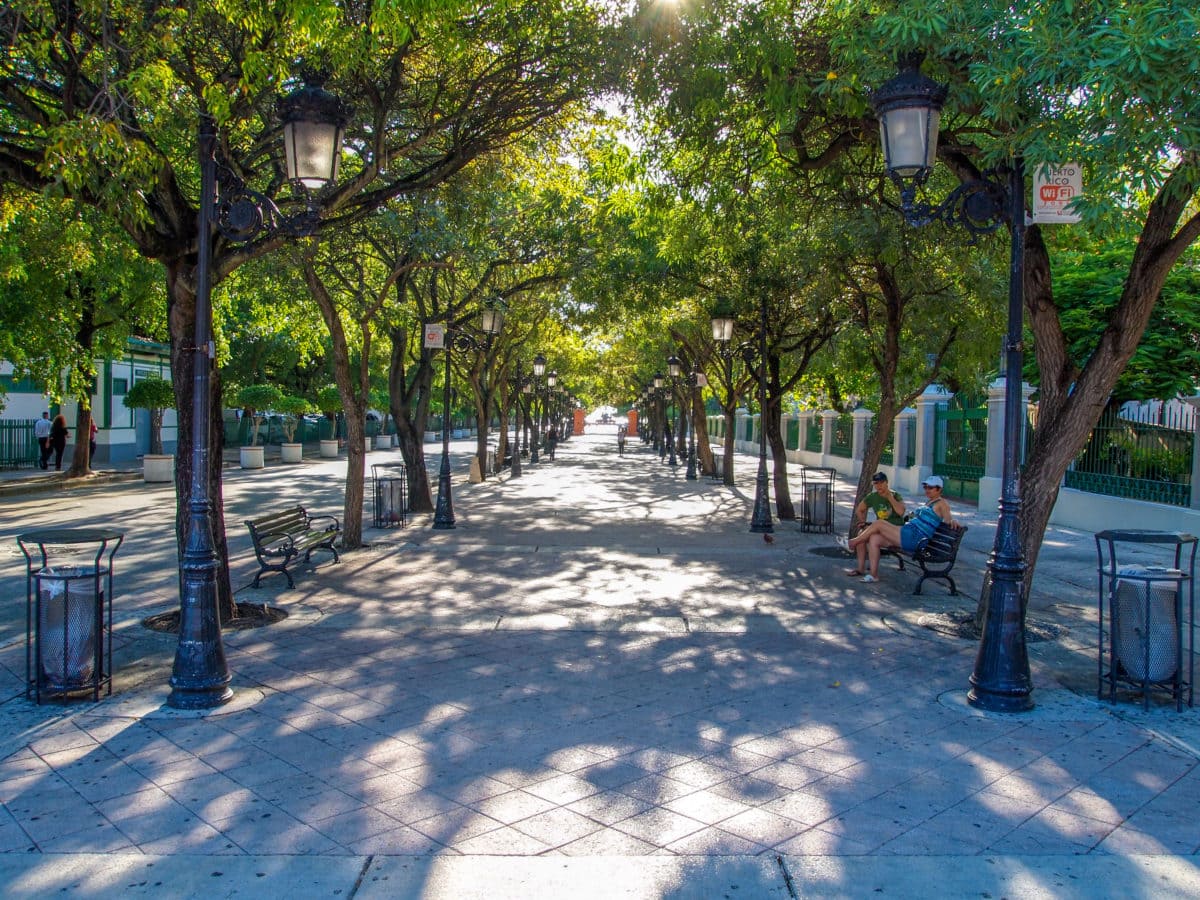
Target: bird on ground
x,y
768,539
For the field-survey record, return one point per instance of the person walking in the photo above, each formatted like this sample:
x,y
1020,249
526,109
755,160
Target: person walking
x,y
58,438
92,441
42,432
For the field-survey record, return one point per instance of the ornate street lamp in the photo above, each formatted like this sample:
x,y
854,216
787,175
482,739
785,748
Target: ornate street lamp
x,y
674,370
313,123
539,369
660,434
696,379
491,321
722,332
908,107
518,385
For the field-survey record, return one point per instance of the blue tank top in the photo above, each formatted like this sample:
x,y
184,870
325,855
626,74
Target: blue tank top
x,y
926,521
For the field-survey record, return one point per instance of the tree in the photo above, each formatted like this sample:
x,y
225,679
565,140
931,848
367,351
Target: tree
x,y
1114,96
256,399
154,395
434,87
73,289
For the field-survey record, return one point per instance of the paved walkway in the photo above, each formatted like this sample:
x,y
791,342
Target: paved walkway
x,y
599,684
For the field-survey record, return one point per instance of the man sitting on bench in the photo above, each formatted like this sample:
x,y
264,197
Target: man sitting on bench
x,y
925,521
886,504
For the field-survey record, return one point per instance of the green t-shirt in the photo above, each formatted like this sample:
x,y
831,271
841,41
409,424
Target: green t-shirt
x,y
882,508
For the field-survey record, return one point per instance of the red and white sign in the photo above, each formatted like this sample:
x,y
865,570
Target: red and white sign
x,y
1054,187
435,336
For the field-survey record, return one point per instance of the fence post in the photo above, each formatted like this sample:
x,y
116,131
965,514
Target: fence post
x,y
902,434
858,443
991,484
828,424
1194,403
926,423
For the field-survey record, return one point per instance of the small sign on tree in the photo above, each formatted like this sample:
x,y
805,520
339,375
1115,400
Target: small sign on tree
x,y
435,336
1054,187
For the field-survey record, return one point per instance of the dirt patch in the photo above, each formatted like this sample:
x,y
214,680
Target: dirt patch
x,y
961,624
249,615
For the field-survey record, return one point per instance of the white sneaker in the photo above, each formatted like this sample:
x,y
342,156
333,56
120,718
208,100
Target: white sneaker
x,y
842,541
869,579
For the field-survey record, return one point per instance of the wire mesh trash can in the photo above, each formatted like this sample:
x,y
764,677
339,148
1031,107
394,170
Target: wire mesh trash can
x,y
68,612
390,481
1147,616
817,502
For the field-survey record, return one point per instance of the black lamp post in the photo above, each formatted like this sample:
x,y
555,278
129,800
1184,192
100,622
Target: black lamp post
x,y
539,369
696,379
313,122
908,107
674,370
722,332
518,385
490,324
661,441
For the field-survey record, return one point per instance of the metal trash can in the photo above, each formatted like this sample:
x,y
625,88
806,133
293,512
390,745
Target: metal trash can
x,y
390,482
817,498
68,618
1147,616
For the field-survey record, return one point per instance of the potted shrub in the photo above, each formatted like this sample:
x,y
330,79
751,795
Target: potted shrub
x,y
330,403
154,395
256,399
380,400
292,409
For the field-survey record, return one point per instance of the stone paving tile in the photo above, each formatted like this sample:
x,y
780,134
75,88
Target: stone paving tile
x,y
707,807
714,842
763,827
314,808
149,815
659,826
503,841
556,827
417,806
353,825
608,842
276,833
609,807
816,842
656,789
401,841
512,806
199,839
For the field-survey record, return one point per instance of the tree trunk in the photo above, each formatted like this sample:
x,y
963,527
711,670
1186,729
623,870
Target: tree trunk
x,y
181,313
771,421
729,446
1072,401
408,393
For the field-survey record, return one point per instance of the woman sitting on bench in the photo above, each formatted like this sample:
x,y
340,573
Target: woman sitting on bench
x,y
882,534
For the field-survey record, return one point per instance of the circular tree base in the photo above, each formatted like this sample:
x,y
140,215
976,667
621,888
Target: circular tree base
x,y
249,615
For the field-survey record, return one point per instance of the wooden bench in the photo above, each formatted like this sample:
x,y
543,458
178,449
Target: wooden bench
x,y
936,558
282,536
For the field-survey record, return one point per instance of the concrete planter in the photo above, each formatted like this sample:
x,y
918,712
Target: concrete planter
x,y
383,442
253,457
158,467
329,449
291,453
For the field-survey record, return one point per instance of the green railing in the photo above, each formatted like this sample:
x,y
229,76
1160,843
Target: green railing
x,y
843,436
960,446
18,445
792,441
888,456
1138,460
812,436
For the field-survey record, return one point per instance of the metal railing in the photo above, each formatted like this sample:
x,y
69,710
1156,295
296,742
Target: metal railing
x,y
18,445
812,436
843,436
1140,460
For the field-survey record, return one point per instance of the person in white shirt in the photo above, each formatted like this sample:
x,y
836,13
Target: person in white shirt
x,y
42,432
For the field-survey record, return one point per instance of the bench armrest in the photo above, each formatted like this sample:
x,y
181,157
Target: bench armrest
x,y
335,526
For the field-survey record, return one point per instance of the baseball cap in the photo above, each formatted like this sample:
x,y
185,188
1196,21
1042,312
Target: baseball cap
x,y
879,476
933,481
